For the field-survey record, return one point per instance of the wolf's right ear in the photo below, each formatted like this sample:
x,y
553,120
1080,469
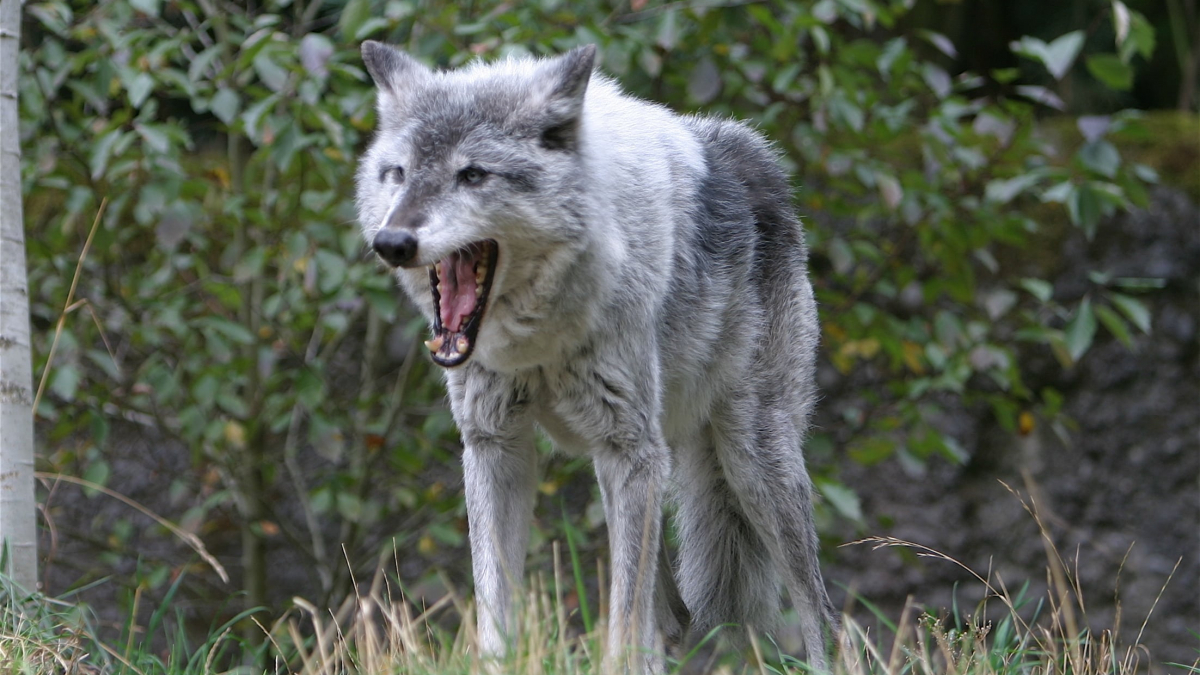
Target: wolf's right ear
x,y
568,75
394,71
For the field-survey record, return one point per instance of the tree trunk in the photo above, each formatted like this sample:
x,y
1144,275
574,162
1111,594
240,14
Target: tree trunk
x,y
18,526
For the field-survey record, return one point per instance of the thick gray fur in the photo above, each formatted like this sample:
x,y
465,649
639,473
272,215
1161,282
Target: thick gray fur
x,y
650,308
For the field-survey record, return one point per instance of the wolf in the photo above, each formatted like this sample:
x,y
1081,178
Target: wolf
x,y
633,283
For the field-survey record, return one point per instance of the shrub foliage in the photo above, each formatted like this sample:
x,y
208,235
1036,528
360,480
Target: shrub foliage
x,y
227,301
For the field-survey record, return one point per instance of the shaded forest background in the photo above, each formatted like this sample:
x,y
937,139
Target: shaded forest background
x,y
1005,252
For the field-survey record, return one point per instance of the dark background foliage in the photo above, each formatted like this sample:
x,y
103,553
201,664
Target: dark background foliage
x,y
233,357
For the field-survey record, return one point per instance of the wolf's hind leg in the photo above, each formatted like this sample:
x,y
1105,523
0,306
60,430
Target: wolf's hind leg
x,y
760,453
725,570
669,607
632,488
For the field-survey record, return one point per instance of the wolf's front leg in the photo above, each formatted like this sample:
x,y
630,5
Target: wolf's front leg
x,y
500,472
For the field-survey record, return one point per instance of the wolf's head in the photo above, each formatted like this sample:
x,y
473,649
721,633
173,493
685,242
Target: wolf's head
x,y
470,170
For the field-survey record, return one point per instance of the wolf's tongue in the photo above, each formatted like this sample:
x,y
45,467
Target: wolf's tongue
x,y
457,274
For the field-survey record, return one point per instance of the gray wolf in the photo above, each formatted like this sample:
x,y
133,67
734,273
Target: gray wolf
x,y
633,283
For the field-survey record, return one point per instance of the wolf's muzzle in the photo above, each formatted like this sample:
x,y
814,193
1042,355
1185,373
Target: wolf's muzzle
x,y
397,247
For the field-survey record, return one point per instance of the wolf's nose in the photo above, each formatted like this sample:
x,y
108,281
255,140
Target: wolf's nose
x,y
396,247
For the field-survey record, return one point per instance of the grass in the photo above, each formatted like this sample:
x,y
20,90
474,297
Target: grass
x,y
377,631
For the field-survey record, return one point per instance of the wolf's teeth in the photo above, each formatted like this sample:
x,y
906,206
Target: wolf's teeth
x,y
480,273
478,290
461,344
435,344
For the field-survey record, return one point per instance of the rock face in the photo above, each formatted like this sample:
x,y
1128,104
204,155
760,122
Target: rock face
x,y
1121,501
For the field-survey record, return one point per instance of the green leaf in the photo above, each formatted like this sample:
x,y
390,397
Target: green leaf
x,y
234,405
331,270
668,30
1003,191
1081,330
891,52
370,27
948,328
890,190
102,151
236,332
1041,95
272,74
1060,193
1056,56
204,391
253,116
139,89
1040,289
1101,157
845,112
354,15
1084,209
349,506
96,472
825,11
1141,283
1133,309
310,390
1145,173
937,79
944,44
202,61
843,499
225,105
704,82
1060,54
1005,75
315,50
1115,324
65,382
145,6
1140,39
154,137
821,40
1111,70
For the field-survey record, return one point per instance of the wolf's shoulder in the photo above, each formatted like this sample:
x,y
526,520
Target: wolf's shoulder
x,y
609,105
630,134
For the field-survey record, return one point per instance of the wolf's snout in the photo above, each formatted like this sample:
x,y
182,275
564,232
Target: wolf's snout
x,y
396,247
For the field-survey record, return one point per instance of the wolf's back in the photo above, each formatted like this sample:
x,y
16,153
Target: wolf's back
x,y
777,261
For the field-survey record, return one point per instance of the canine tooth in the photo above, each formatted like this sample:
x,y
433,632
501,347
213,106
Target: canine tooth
x,y
480,274
435,344
478,290
461,344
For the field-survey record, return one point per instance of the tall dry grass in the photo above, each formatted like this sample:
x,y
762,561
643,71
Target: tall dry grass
x,y
380,631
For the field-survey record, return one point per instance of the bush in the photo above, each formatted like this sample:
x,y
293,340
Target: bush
x,y
227,300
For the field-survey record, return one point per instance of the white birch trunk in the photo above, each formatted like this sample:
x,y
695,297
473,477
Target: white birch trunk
x,y
18,527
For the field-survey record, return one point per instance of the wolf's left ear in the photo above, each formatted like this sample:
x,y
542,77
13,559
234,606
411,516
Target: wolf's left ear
x,y
394,71
559,92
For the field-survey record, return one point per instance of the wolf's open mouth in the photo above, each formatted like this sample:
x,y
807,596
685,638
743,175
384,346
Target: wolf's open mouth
x,y
460,282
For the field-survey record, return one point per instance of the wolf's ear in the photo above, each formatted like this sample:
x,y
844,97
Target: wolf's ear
x,y
561,85
393,70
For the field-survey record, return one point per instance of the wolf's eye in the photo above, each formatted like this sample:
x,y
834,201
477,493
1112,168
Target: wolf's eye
x,y
393,173
472,175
